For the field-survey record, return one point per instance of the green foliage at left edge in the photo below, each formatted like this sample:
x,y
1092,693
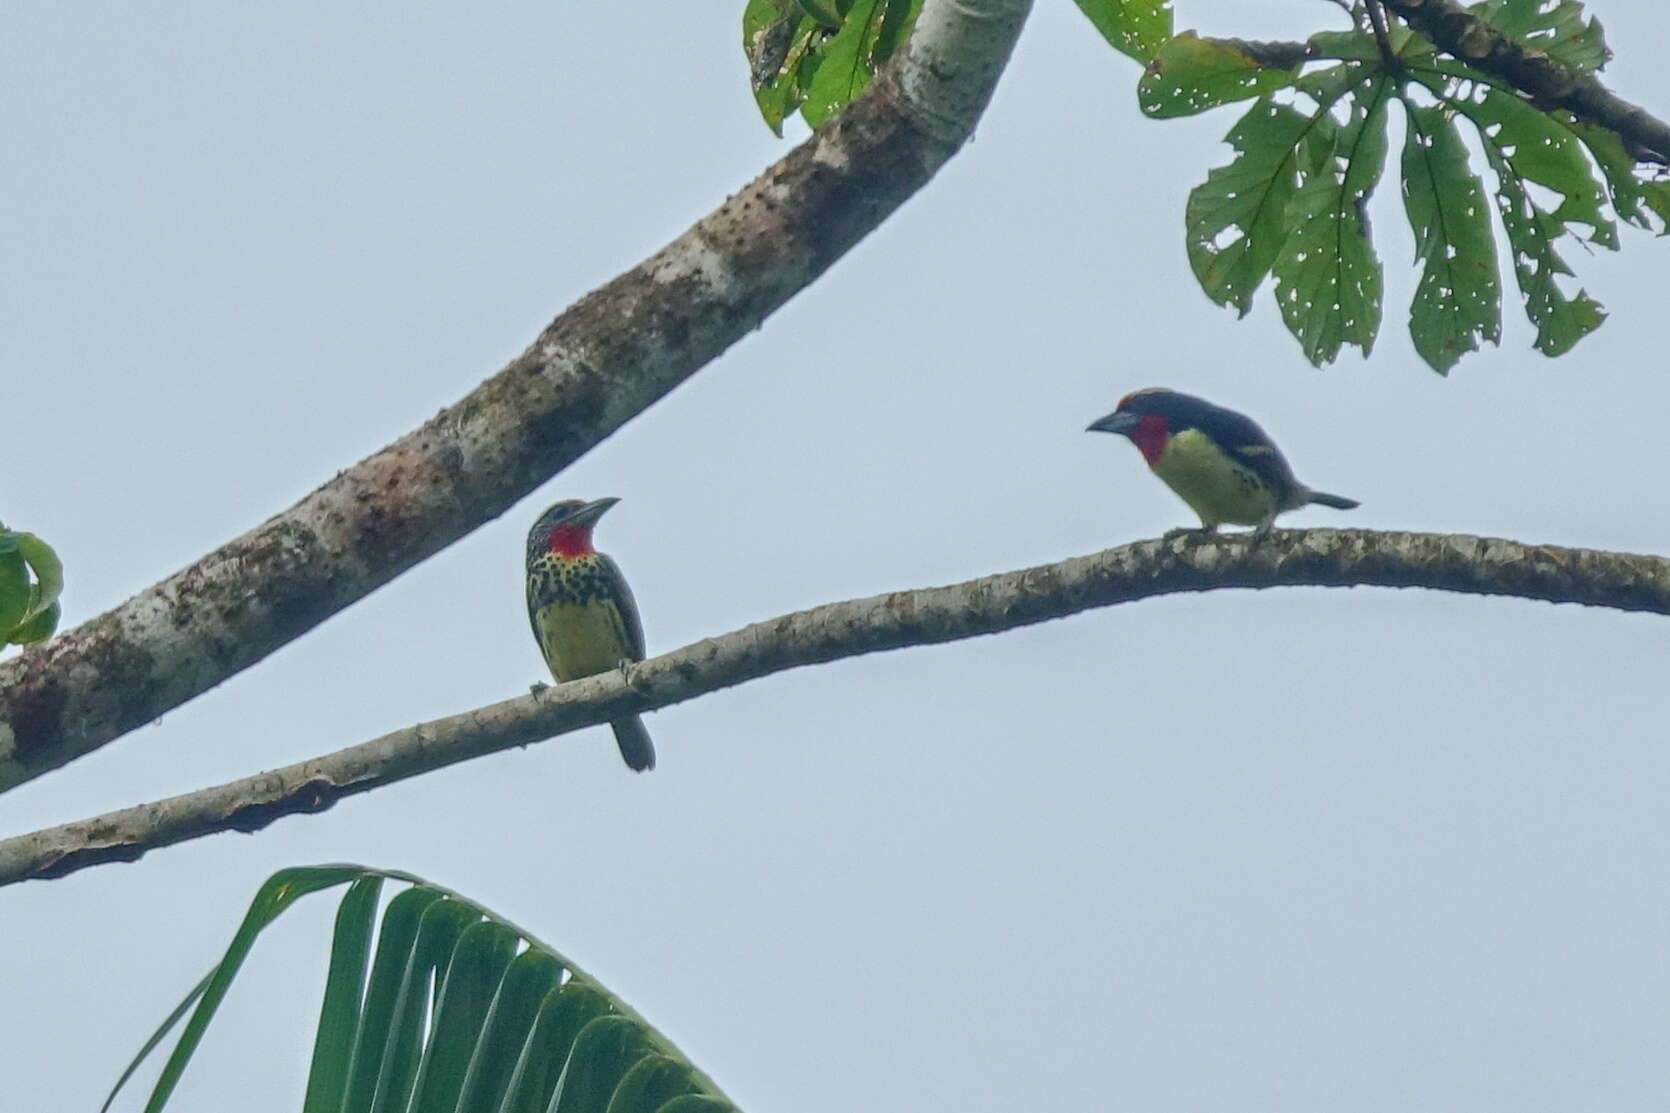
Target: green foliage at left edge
x,y
814,56
31,579
459,1010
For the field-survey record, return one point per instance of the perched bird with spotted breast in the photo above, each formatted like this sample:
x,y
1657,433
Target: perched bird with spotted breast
x,y
582,611
1216,460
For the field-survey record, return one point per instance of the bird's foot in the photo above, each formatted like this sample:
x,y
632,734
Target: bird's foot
x,y
537,687
626,666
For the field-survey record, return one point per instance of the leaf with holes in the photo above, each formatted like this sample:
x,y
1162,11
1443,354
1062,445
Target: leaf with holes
x,y
814,57
1190,74
844,67
1135,28
1635,199
1360,46
1556,28
777,37
1526,149
1458,301
1235,220
1328,281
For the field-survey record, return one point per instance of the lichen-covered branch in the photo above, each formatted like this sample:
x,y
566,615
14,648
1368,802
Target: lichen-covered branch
x,y
602,361
1327,558
1460,33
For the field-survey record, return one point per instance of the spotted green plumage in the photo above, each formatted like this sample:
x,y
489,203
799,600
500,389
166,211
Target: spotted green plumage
x,y
584,618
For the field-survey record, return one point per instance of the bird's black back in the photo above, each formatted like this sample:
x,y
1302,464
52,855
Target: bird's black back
x,y
1235,433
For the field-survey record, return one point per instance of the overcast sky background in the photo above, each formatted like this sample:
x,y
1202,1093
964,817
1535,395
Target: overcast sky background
x,y
1295,850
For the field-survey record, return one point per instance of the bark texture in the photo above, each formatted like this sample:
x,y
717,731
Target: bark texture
x,y
605,359
1328,558
1463,35
1545,82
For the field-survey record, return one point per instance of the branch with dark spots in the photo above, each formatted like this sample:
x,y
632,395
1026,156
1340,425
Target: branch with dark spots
x,y
1144,570
1541,80
1463,35
608,357
1276,55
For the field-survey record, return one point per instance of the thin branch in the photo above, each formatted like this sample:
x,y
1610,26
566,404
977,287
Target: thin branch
x,y
1326,558
601,362
1382,36
1548,84
1463,35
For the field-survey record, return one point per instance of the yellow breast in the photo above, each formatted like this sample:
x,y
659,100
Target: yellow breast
x,y
1214,486
581,639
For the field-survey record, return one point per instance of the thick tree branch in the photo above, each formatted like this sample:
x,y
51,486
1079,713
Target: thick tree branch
x,y
1327,558
602,361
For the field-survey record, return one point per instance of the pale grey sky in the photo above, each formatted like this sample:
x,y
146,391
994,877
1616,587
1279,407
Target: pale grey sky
x,y
1301,850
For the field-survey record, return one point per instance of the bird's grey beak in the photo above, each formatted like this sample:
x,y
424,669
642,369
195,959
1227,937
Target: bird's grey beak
x,y
589,513
1114,422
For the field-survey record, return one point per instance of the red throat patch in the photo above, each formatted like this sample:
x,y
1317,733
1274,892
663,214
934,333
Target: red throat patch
x,y
570,541
1150,437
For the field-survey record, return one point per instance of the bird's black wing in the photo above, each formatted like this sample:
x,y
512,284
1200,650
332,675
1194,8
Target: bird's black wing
x,y
621,596
1248,445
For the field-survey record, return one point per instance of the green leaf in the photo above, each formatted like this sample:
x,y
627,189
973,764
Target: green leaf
x,y
651,1083
1524,146
48,571
1328,281
396,941
473,975
897,19
281,890
1458,301
39,628
776,37
1361,46
1557,29
447,1018
1190,75
1135,28
530,977
697,1103
1234,221
339,1014
814,56
562,1015
439,929
825,14
844,70
1237,221
604,1051
1635,199
15,593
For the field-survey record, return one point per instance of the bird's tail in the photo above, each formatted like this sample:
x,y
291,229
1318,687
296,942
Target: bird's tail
x,y
1335,501
634,743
